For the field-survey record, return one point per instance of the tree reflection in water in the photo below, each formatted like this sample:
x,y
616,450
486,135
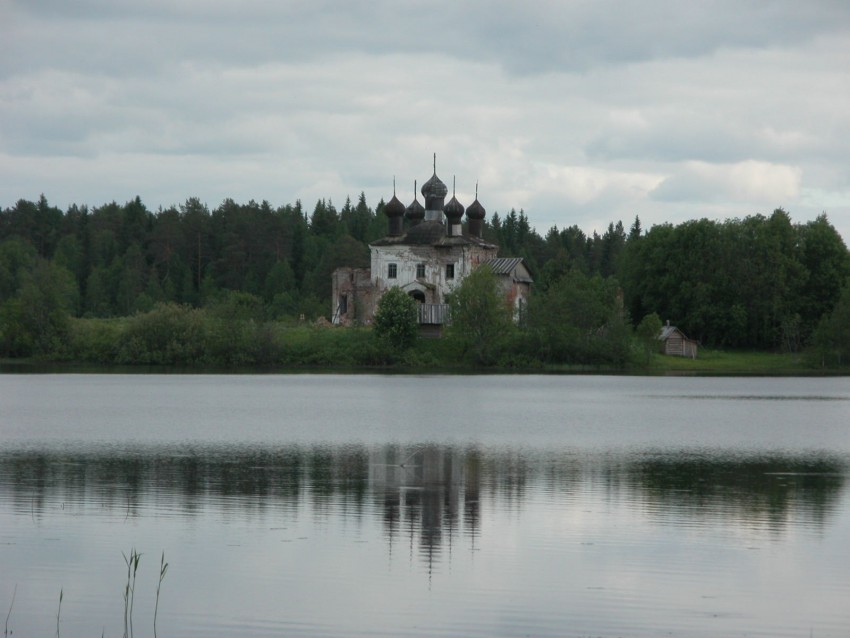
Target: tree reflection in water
x,y
426,494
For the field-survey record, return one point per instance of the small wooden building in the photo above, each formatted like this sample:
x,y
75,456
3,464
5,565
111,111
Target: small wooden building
x,y
675,343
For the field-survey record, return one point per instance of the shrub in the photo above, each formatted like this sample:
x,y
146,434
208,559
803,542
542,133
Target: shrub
x,y
481,322
169,334
95,340
396,319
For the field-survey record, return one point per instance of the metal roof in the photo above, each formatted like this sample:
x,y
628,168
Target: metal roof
x,y
503,265
507,266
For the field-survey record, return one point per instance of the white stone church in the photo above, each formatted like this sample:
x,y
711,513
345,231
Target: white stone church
x,y
426,254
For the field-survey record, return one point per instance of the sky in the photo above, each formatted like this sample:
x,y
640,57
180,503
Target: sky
x,y
579,112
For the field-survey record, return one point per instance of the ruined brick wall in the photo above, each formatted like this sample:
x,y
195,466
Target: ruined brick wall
x,y
352,296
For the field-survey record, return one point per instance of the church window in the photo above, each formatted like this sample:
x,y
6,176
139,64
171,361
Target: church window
x,y
392,271
420,271
450,271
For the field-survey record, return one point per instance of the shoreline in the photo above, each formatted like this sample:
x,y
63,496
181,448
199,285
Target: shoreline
x,y
709,364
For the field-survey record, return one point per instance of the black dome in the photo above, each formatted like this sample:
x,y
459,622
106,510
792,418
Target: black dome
x,y
394,208
415,211
476,210
434,192
454,209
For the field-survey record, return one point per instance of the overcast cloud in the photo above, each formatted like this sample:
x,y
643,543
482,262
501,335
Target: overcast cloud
x,y
580,112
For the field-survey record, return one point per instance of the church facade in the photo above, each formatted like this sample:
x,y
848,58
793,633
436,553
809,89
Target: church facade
x,y
426,254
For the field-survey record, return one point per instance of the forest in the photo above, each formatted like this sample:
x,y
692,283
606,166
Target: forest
x,y
76,284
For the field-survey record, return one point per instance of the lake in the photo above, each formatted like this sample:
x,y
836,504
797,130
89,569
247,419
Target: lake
x,y
372,505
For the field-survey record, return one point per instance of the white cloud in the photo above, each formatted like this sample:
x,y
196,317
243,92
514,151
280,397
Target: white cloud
x,y
749,181
580,113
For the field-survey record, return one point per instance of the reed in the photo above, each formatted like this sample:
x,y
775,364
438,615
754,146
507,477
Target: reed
x,y
163,567
132,563
130,589
12,604
59,611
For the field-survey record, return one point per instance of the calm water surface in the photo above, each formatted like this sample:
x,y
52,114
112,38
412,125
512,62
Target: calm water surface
x,y
325,505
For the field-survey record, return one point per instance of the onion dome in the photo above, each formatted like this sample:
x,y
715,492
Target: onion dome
x,y
475,214
454,209
394,210
415,213
476,210
434,191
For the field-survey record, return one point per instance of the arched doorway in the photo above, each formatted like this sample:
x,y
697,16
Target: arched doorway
x,y
418,295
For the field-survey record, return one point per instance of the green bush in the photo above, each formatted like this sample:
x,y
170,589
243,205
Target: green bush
x,y
170,334
481,325
95,340
579,320
831,338
396,319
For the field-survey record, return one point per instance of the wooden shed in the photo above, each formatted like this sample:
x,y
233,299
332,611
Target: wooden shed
x,y
675,343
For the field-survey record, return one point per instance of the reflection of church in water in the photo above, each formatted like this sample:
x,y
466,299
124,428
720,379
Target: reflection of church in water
x,y
430,495
432,499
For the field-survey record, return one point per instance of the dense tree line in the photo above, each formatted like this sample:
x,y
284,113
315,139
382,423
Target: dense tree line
x,y
118,260
125,258
760,282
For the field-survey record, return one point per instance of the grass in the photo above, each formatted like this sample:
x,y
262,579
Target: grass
x,y
723,362
148,343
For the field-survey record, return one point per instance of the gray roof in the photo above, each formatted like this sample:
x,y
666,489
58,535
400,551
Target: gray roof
x,y
508,266
430,233
668,331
